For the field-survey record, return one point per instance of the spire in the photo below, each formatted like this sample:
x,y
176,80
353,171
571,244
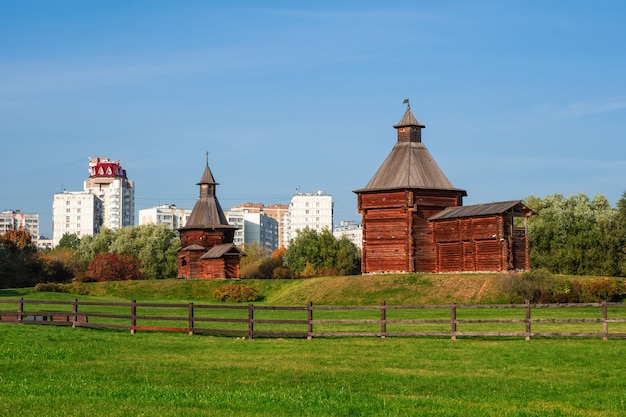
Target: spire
x,y
207,176
409,128
207,212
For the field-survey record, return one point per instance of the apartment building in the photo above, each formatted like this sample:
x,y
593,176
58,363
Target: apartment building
x,y
167,214
108,181
308,210
254,227
275,211
107,200
15,219
76,212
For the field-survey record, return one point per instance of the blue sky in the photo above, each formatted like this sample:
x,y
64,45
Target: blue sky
x,y
518,98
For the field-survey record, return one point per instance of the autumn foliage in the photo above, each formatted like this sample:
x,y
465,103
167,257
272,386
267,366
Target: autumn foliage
x,y
235,293
113,267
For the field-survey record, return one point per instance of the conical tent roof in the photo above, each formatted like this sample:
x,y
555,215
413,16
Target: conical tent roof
x,y
409,165
408,119
207,212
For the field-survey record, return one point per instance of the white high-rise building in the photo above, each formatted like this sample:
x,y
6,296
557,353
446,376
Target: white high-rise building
x,y
76,212
108,200
254,227
167,214
15,219
313,211
108,181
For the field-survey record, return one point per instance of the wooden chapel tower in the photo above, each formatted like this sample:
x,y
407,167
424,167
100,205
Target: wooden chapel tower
x,y
207,248
408,188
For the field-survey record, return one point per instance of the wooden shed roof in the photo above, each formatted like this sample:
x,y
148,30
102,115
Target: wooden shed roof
x,y
409,165
194,247
479,210
225,249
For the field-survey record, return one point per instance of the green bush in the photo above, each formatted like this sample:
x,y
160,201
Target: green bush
x,y
50,287
235,293
282,272
533,285
589,291
540,286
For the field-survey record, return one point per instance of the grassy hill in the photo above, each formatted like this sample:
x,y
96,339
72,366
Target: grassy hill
x,y
402,289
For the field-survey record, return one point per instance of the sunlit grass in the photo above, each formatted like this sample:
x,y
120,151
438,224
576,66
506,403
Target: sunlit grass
x,y
56,371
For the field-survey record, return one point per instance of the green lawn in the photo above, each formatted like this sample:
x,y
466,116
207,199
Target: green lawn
x,y
60,371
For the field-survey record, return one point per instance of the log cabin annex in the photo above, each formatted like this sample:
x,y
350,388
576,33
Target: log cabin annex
x,y
414,220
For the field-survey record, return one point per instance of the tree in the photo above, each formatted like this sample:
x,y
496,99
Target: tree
x,y
20,265
250,264
154,245
158,251
577,236
68,258
69,240
18,240
302,249
348,260
112,267
621,230
321,253
92,245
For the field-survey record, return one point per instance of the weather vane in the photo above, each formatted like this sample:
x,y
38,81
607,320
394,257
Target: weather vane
x,y
207,157
406,101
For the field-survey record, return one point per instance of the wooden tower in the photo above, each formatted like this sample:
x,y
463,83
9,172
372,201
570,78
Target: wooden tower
x,y
408,188
207,248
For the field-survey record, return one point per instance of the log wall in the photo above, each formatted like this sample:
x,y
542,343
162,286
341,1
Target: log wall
x,y
397,236
203,237
488,243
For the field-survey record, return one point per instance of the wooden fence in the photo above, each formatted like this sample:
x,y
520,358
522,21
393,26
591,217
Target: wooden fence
x,y
589,320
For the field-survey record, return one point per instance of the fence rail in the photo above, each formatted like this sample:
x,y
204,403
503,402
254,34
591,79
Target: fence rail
x,y
590,320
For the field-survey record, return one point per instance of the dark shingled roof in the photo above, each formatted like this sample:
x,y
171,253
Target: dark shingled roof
x,y
479,210
194,247
409,165
219,251
207,212
408,119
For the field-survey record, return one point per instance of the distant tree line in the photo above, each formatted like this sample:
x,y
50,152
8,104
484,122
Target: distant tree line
x,y
572,235
576,235
151,252
137,252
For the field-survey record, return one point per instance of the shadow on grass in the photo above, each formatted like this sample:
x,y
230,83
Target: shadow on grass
x,y
8,293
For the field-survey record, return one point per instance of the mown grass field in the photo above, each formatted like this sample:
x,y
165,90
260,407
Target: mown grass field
x,y
50,371
60,371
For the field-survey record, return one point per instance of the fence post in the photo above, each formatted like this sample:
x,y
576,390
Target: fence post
x,y
605,323
133,316
453,320
191,323
74,312
20,310
250,321
309,318
383,319
527,320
